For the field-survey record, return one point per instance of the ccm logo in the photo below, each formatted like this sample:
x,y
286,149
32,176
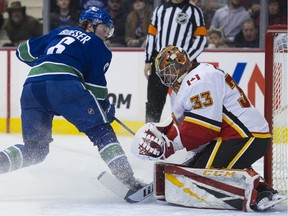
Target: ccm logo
x,y
219,173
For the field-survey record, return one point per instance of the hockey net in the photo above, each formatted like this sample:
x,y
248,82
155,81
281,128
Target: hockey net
x,y
276,107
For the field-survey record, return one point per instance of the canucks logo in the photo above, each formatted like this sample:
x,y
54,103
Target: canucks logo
x,y
182,18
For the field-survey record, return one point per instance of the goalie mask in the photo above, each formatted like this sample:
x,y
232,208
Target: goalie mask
x,y
172,65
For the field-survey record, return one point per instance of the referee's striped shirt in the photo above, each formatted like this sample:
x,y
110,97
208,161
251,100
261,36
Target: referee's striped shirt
x,y
180,25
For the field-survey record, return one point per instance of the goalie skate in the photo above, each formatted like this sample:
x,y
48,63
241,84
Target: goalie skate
x,y
267,200
123,191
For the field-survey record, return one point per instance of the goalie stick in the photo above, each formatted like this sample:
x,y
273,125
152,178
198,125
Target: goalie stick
x,y
123,191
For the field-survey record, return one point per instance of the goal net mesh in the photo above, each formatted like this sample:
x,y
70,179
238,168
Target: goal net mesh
x,y
279,115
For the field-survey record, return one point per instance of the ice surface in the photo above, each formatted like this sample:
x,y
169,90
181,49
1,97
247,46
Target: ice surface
x,y
66,184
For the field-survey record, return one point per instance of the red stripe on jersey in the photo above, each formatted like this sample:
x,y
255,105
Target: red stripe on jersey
x,y
227,132
192,135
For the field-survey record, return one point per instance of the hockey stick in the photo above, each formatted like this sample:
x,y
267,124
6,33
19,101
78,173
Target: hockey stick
x,y
123,125
123,191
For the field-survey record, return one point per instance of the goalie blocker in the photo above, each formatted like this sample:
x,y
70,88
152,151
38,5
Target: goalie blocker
x,y
209,188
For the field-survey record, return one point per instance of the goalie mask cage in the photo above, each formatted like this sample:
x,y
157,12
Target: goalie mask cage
x,y
276,107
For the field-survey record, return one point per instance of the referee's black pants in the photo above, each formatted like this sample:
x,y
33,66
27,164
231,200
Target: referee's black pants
x,y
156,97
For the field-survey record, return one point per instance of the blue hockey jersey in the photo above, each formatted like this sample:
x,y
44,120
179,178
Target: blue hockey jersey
x,y
68,53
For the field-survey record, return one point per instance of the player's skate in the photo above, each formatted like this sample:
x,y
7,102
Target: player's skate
x,y
267,199
134,184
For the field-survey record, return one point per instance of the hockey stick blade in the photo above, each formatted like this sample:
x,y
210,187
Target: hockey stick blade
x,y
113,184
123,191
140,195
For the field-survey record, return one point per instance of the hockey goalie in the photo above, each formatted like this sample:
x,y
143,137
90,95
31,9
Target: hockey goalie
x,y
212,117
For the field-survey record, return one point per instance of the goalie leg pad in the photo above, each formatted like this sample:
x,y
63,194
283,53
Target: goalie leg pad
x,y
208,188
159,180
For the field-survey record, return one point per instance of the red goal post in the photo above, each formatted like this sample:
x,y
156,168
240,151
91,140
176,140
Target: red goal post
x,y
276,106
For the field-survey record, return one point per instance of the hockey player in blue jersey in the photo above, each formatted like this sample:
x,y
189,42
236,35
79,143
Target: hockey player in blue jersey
x,y
67,78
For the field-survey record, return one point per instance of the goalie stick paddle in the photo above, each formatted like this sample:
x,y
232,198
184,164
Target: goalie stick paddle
x,y
123,191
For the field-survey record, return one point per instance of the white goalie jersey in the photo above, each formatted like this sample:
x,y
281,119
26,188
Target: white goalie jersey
x,y
210,104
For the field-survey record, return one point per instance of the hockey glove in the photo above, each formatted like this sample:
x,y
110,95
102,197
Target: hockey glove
x,y
164,126
109,110
149,143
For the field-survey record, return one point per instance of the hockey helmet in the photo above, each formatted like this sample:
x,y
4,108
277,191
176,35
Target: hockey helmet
x,y
172,64
98,16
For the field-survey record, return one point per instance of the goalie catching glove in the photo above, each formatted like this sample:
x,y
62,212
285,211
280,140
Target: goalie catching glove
x,y
150,143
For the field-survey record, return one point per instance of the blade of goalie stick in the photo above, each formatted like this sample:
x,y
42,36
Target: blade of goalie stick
x,y
123,191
